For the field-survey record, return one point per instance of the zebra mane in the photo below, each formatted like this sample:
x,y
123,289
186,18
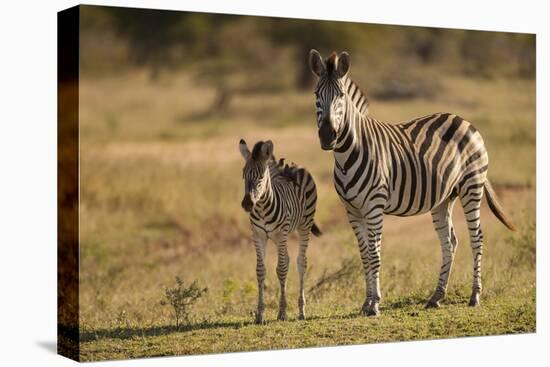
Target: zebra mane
x,y
331,63
283,170
357,96
256,150
276,168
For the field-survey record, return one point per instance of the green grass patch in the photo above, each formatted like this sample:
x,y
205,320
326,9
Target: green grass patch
x,y
400,320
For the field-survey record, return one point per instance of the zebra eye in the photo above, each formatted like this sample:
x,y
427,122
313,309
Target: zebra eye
x,y
341,94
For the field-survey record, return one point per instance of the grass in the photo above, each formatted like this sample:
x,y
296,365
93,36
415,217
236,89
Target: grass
x,y
160,197
409,322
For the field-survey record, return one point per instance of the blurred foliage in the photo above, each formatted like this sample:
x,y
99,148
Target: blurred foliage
x,y
243,54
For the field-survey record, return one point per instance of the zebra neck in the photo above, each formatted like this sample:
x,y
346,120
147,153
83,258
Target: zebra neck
x,y
356,118
266,200
357,137
356,129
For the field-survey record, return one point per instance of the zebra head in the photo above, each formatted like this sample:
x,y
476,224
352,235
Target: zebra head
x,y
256,173
329,94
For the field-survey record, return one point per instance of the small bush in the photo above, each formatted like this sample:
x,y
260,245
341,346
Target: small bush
x,y
181,298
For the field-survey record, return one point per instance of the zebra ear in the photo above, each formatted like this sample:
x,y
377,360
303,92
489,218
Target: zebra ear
x,y
267,149
316,63
343,64
243,148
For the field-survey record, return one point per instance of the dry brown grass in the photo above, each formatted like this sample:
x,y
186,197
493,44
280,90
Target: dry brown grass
x,y
160,197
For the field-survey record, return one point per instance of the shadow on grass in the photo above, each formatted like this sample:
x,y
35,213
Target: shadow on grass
x,y
403,302
129,332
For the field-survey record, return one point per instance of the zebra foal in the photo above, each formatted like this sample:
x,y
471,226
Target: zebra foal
x,y
411,168
279,199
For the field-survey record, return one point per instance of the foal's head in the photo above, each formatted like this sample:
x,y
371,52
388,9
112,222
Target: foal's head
x,y
256,172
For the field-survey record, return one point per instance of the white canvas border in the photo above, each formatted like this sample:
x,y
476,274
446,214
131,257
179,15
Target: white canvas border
x,y
28,184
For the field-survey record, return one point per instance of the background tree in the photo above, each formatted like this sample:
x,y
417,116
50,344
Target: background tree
x,y
241,54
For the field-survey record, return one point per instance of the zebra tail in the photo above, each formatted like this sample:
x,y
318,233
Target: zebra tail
x,y
495,206
316,231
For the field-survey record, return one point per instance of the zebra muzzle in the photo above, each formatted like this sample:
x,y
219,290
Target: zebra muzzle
x,y
327,136
247,203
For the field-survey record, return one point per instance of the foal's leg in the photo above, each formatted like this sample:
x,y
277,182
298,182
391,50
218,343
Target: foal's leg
x,y
260,241
442,220
303,233
282,271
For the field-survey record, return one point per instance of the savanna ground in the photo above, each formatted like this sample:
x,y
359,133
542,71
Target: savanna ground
x,y
160,197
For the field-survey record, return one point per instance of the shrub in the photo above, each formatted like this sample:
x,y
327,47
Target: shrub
x,y
181,298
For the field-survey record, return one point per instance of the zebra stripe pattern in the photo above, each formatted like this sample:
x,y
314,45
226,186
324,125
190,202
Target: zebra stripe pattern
x,y
404,169
279,199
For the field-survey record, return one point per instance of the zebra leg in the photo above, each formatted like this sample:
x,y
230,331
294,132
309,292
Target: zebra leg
x,y
282,271
302,267
471,203
374,223
442,220
260,241
359,229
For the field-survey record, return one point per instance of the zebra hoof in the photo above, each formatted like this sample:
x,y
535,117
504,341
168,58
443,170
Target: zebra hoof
x,y
433,304
301,316
372,310
282,316
474,300
365,307
259,320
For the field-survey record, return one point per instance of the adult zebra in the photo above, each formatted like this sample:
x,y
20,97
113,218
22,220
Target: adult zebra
x,y
280,199
404,169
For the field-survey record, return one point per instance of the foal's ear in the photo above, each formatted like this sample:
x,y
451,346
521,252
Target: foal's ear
x,y
267,149
316,63
343,64
243,148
